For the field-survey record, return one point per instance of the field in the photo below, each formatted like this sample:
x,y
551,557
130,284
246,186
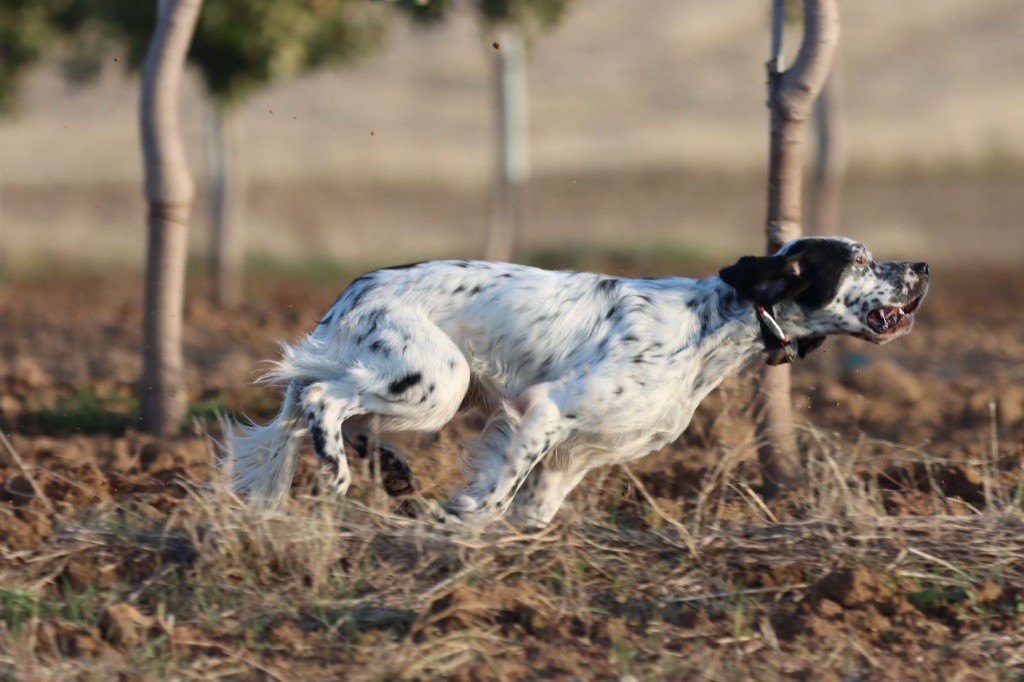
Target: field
x,y
903,557
122,556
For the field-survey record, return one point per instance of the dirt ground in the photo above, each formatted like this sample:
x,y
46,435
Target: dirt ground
x,y
902,559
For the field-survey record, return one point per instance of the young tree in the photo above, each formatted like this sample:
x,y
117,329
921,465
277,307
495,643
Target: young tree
x,y
510,26
239,48
169,194
829,165
791,94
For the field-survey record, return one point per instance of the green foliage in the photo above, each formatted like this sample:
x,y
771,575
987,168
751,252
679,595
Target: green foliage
x,y
241,46
529,14
26,32
83,411
18,607
87,411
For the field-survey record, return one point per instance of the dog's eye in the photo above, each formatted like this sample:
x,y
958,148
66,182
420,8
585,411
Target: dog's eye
x,y
861,259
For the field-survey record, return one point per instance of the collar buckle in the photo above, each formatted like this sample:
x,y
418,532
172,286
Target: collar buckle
x,y
777,344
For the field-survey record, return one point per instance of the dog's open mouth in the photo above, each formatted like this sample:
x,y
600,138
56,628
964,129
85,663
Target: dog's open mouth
x,y
891,320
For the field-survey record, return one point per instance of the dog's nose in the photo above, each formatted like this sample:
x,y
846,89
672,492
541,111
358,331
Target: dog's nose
x,y
920,268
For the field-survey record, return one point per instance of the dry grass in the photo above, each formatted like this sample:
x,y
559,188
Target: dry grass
x,y
624,583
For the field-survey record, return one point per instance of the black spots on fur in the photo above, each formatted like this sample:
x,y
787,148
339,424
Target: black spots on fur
x,y
477,289
361,446
461,263
612,312
505,275
570,416
452,363
361,295
638,359
373,318
726,302
608,285
459,289
380,346
406,266
619,390
629,338
319,441
705,315
399,386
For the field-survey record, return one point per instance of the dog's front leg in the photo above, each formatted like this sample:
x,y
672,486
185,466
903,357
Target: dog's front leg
x,y
542,494
500,472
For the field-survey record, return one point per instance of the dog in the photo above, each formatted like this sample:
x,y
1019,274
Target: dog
x,y
574,370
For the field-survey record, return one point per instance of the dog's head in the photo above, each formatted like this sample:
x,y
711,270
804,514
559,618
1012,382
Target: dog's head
x,y
831,285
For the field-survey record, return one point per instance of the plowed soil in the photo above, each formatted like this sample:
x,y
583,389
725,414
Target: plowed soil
x,y
930,427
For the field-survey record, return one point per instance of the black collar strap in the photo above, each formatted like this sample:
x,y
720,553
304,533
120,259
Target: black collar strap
x,y
778,347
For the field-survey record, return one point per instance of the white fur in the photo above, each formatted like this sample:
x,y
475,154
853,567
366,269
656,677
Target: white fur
x,y
595,369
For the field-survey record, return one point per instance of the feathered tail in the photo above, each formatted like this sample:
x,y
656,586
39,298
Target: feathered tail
x,y
261,460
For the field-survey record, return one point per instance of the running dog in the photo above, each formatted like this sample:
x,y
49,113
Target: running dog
x,y
575,370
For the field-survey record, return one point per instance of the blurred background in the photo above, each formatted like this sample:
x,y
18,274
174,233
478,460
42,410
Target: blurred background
x,y
647,131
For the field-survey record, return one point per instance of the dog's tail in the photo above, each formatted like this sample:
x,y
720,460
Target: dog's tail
x,y
261,460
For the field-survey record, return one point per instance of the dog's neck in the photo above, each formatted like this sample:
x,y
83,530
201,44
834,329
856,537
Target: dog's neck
x,y
732,339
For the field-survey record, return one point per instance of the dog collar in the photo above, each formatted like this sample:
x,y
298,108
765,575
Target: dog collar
x,y
777,344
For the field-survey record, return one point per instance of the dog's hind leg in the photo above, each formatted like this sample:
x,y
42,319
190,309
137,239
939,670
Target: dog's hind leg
x,y
382,457
405,374
326,405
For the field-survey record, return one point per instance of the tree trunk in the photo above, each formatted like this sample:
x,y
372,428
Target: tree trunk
x,y
791,94
829,158
510,99
169,194
227,203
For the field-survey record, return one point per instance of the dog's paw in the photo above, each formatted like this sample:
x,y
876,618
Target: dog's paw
x,y
424,510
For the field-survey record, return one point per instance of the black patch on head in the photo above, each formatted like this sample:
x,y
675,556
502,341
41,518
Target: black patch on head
x,y
823,262
405,383
809,273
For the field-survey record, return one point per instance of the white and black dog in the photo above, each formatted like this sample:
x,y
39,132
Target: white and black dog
x,y
575,370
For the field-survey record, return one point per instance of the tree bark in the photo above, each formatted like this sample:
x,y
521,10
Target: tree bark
x,y
169,195
513,167
791,94
829,158
227,204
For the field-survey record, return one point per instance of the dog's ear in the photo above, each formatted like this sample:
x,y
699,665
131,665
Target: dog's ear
x,y
765,280
808,345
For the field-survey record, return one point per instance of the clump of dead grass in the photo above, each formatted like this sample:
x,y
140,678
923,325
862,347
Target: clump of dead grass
x,y
624,581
